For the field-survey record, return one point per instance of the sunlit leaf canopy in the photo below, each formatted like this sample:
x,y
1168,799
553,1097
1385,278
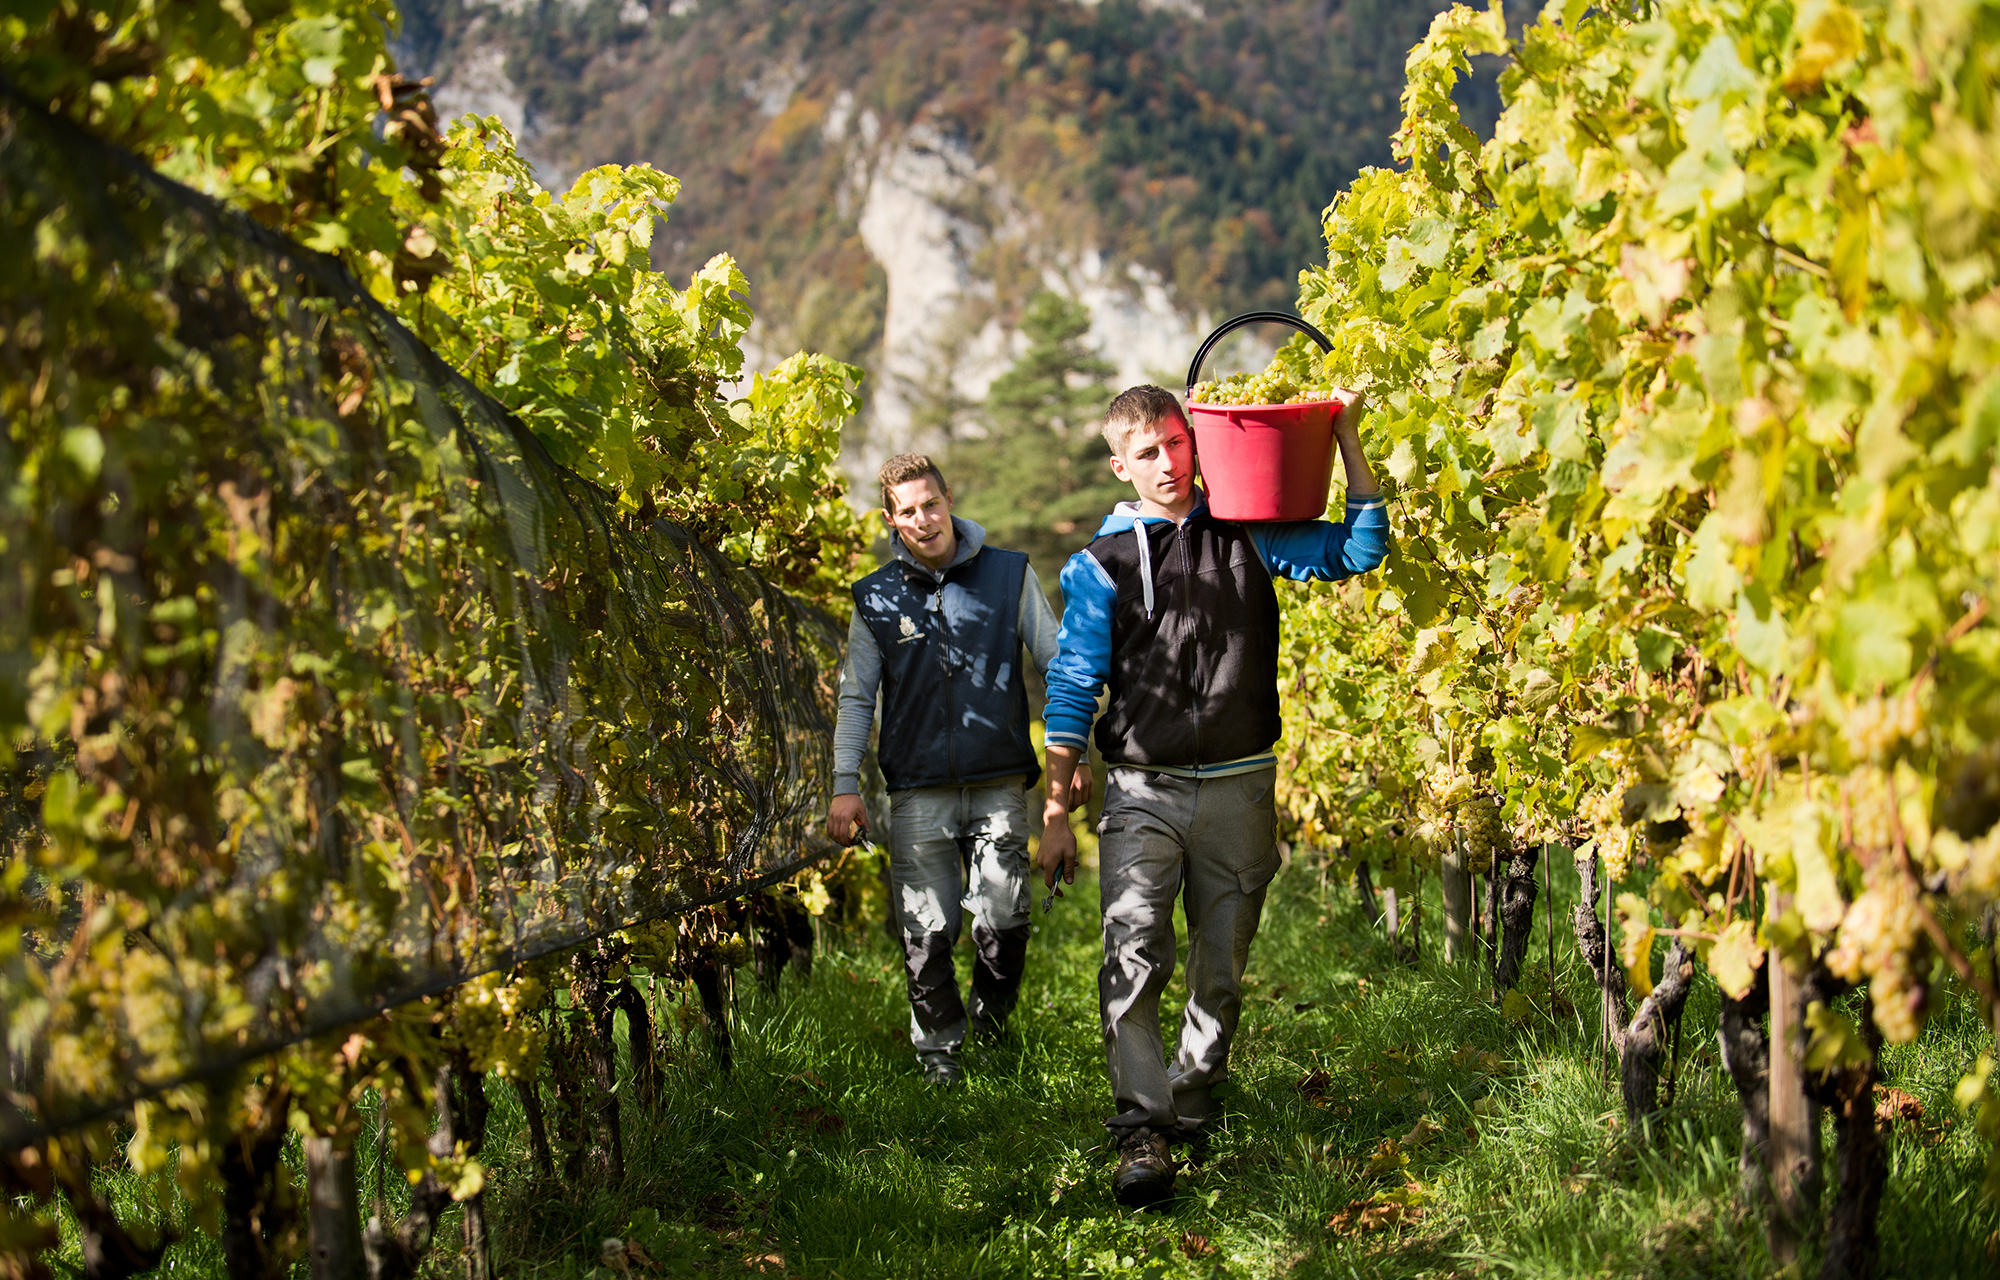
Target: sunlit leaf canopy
x,y
340,688
1685,388
327,679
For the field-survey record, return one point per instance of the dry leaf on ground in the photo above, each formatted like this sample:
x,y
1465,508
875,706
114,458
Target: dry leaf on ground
x,y
1196,1246
1386,1210
1387,1157
1893,1105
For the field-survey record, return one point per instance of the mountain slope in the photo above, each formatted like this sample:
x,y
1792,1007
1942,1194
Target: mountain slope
x,y
899,176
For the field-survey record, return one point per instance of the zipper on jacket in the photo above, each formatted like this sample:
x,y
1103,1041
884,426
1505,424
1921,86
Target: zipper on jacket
x,y
1194,649
944,662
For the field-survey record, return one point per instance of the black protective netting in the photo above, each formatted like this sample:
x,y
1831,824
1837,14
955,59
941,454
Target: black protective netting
x,y
321,686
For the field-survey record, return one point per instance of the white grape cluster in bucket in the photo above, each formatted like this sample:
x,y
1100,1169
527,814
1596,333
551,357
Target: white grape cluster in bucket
x,y
1275,385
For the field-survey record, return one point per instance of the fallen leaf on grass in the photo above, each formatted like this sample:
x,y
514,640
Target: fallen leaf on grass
x,y
624,1257
1377,1216
1195,1246
1420,1133
1314,1084
1892,1105
1485,1061
1895,1106
636,1256
1385,1210
764,1263
1387,1157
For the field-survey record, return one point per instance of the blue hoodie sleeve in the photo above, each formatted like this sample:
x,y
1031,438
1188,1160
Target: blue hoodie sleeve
x,y
1325,550
1083,653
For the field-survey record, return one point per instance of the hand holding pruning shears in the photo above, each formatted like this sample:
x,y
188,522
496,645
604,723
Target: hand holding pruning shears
x,y
846,820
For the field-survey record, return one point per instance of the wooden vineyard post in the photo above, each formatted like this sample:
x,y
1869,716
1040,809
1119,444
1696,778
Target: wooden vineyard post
x,y
1454,879
1794,1142
1457,884
1604,1014
1490,927
1417,919
1549,915
333,1220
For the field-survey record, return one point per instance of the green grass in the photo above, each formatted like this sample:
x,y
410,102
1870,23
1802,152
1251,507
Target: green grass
x,y
824,1149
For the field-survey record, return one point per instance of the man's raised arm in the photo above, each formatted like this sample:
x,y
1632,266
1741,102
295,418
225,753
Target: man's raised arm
x,y
1329,550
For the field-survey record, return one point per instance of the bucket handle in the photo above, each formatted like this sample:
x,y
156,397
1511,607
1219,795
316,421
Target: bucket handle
x,y
1250,317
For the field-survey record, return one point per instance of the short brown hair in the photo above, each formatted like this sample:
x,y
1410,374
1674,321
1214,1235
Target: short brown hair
x,y
1137,407
905,467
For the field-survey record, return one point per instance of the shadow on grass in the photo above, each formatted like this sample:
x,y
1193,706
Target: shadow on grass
x,y
1386,1119
1360,1082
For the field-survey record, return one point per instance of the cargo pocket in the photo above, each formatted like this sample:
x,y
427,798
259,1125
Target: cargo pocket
x,y
1253,878
1259,817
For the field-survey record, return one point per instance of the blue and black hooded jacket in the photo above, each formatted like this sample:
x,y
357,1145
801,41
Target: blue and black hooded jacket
x,y
1181,622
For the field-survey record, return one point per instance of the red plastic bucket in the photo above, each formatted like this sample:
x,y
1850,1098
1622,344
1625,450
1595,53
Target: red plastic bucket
x,y
1263,461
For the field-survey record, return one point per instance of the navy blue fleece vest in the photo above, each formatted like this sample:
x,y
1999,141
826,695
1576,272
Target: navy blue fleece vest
x,y
954,707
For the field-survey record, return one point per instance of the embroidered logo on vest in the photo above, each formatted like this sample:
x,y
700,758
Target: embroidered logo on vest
x,y
909,630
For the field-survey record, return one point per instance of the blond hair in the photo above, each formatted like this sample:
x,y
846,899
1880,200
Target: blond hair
x,y
903,468
1137,407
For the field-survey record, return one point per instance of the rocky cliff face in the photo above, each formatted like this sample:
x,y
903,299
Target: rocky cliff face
x,y
899,176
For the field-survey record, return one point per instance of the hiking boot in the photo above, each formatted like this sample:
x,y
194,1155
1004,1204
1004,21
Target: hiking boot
x,y
943,1072
1145,1172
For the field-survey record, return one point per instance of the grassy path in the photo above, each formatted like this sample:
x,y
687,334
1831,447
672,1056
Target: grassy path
x,y
822,1154
1365,1089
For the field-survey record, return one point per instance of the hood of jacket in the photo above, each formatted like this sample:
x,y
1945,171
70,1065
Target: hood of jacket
x,y
971,538
1126,514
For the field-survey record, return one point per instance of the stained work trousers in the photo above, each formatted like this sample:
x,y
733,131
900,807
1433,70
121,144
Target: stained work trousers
x,y
1212,842
952,850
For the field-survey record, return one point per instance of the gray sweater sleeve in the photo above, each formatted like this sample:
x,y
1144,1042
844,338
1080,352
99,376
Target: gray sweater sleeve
x,y
860,678
1037,622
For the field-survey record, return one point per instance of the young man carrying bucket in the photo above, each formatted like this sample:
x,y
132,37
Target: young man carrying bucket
x,y
1176,612
938,632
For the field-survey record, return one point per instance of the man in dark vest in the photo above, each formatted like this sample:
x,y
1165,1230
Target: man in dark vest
x,y
938,632
1175,612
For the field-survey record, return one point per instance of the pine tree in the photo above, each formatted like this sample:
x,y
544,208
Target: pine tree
x,y
1040,478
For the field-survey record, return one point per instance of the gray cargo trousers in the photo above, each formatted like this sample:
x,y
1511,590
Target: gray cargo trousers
x,y
1213,842
954,849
